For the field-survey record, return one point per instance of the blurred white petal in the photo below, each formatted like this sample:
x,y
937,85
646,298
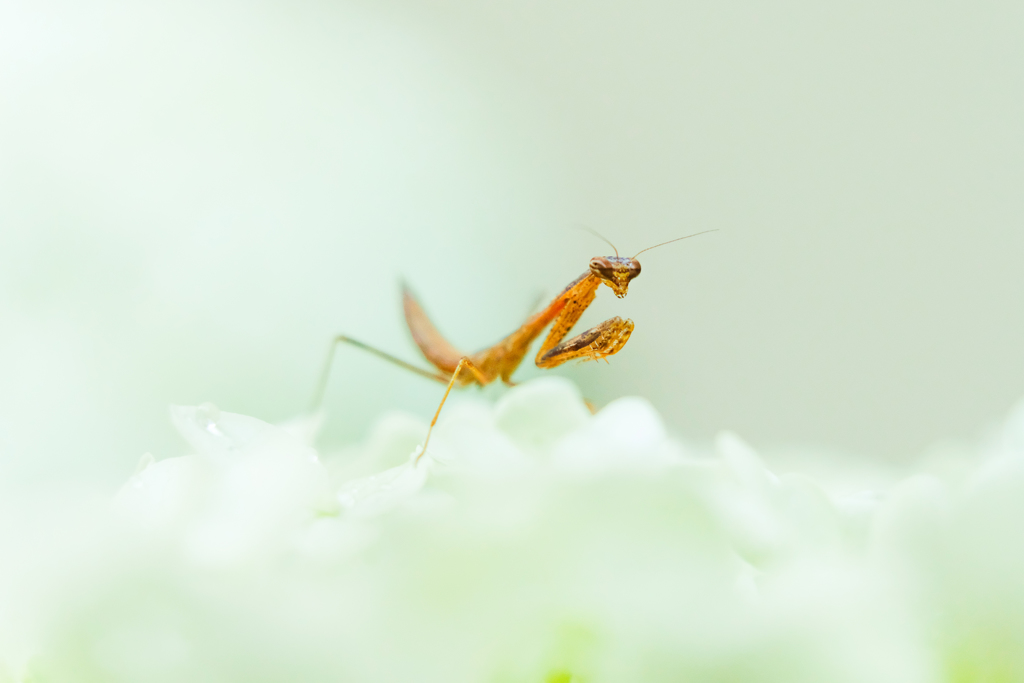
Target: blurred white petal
x,y
533,541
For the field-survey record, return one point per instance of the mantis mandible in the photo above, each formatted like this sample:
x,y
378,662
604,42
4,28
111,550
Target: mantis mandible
x,y
502,359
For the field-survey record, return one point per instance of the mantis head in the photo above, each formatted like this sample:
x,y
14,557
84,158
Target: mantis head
x,y
615,271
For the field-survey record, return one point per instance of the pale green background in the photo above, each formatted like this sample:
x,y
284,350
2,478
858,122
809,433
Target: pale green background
x,y
195,195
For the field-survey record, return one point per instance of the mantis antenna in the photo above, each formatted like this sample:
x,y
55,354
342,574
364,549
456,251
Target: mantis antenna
x,y
595,233
671,241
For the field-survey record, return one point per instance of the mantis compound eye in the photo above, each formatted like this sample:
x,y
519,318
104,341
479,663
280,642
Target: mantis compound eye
x,y
601,267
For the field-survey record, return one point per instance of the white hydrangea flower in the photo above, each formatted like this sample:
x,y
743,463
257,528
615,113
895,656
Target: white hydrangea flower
x,y
534,542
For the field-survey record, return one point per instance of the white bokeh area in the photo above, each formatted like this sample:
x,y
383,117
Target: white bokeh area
x,y
533,541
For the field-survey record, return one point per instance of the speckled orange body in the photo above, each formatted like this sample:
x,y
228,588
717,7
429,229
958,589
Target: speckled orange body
x,y
502,359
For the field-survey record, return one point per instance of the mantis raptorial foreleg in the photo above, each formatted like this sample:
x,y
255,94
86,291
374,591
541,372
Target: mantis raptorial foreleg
x,y
598,342
576,299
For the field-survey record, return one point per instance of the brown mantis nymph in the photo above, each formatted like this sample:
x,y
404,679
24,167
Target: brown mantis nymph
x,y
502,359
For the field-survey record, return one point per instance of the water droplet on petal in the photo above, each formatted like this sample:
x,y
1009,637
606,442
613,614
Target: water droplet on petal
x,y
207,415
145,461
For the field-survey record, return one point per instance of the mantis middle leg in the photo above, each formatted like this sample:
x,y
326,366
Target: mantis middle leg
x,y
318,395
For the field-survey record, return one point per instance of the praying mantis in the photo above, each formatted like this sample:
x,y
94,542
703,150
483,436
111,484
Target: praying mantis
x,y
501,360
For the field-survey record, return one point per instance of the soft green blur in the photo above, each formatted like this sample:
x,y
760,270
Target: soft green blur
x,y
195,196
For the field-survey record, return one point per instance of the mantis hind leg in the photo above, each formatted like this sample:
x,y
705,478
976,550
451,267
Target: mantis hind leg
x,y
598,342
464,364
321,387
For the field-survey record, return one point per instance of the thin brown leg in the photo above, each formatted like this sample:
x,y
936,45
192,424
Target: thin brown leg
x,y
318,395
464,363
